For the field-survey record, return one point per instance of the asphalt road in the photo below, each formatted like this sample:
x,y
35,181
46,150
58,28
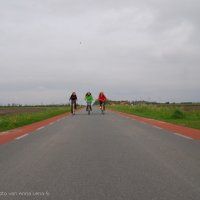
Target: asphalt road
x,y
100,157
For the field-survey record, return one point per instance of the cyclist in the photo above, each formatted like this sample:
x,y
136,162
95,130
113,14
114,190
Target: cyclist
x,y
102,98
73,99
88,99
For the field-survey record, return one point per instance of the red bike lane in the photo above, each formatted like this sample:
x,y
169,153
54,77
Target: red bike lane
x,y
185,131
28,129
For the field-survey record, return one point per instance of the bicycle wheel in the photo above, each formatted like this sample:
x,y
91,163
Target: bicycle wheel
x,y
103,108
73,109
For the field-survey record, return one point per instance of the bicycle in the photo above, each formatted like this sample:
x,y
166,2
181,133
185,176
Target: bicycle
x,y
88,108
102,108
73,107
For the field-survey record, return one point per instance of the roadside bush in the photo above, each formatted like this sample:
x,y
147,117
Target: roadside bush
x,y
178,114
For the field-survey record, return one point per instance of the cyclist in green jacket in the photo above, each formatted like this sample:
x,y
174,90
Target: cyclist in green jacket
x,y
89,99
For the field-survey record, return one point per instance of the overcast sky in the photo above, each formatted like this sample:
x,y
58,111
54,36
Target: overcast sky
x,y
130,49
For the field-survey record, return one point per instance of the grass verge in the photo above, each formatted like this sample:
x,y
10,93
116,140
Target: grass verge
x,y
172,114
30,116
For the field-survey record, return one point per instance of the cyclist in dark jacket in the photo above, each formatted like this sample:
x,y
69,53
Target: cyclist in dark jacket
x,y
73,99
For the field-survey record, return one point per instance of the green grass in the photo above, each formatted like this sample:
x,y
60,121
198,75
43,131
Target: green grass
x,y
18,119
172,114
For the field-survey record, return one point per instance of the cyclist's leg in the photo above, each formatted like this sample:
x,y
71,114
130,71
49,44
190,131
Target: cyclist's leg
x,y
75,106
71,107
88,108
89,105
100,103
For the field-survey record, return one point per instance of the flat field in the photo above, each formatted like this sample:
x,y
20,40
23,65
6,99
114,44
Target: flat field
x,y
186,115
14,117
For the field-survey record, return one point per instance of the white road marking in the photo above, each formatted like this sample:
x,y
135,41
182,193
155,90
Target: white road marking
x,y
40,128
21,137
143,123
158,127
178,134
51,123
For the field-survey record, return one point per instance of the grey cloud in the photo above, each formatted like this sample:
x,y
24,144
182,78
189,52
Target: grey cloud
x,y
131,49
